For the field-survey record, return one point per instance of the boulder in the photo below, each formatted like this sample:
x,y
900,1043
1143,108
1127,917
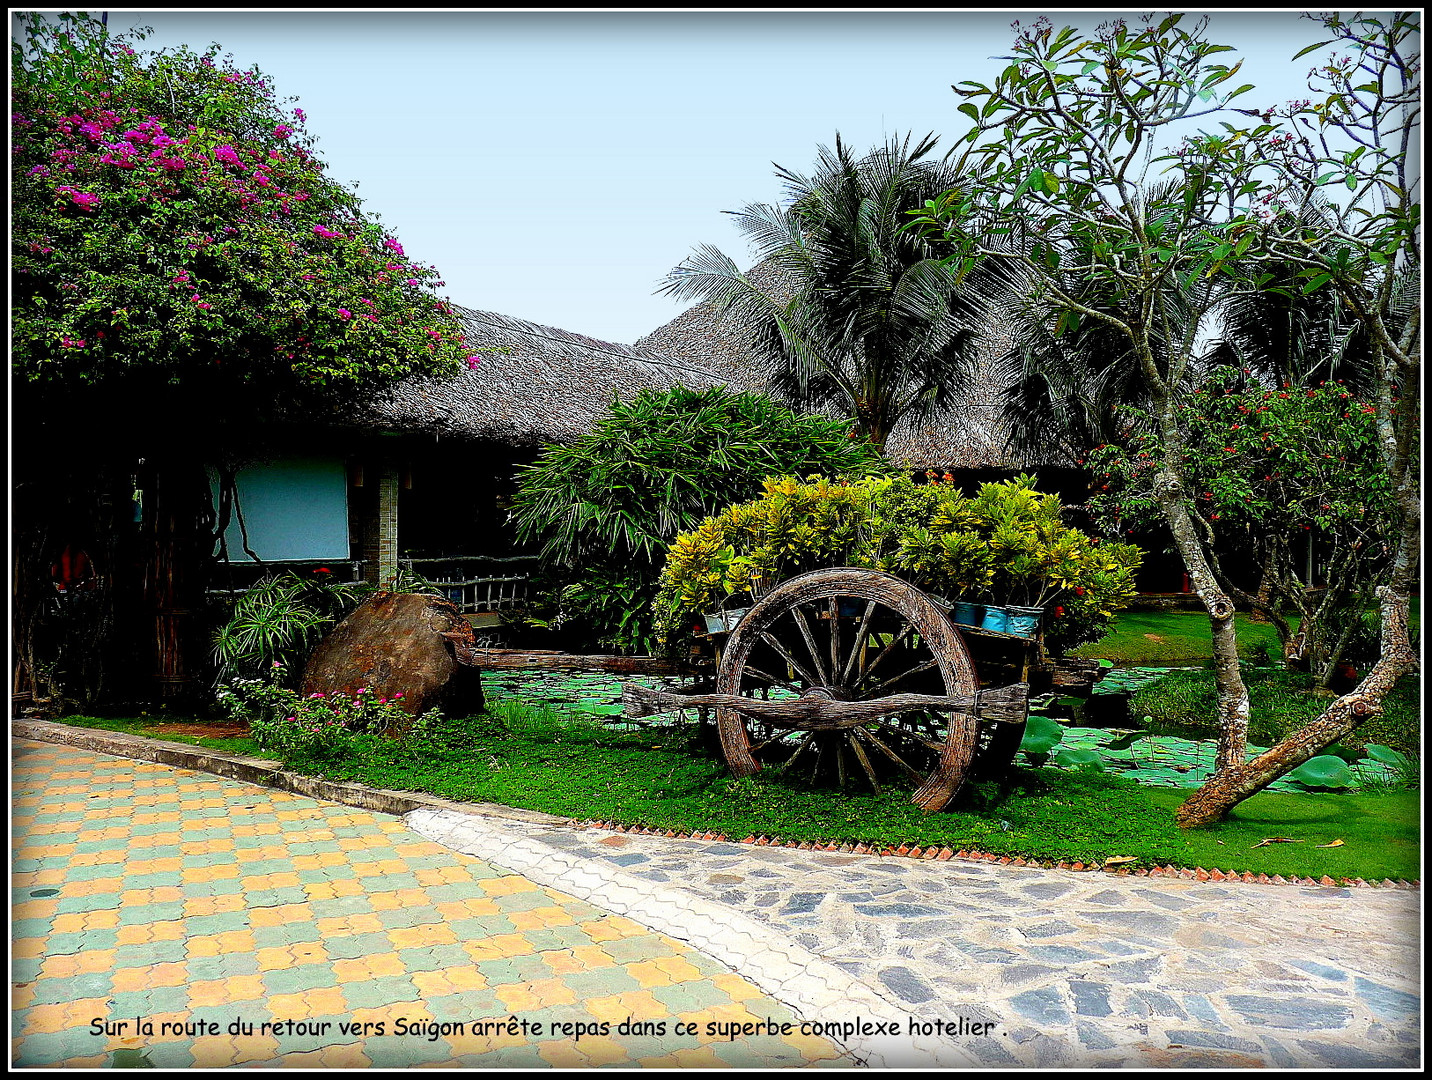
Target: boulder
x,y
401,643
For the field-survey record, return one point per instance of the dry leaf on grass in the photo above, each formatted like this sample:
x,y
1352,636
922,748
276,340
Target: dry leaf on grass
x,y
1335,843
1276,840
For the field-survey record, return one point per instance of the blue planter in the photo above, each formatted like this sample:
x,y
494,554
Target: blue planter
x,y
997,619
965,614
1024,621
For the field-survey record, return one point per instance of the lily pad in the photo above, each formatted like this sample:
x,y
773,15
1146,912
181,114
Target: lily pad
x,y
1385,755
1078,759
1323,771
1041,735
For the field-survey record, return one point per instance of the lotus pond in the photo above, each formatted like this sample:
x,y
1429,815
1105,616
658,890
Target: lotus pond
x,y
1149,759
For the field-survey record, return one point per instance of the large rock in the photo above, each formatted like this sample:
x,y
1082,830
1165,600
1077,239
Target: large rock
x,y
400,643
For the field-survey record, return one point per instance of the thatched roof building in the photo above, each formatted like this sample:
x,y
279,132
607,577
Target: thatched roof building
x,y
537,385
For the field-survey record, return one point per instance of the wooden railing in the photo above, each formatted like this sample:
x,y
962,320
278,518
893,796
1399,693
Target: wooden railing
x,y
478,583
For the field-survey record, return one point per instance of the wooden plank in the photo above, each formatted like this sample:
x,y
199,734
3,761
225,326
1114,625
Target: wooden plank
x,y
546,660
1008,704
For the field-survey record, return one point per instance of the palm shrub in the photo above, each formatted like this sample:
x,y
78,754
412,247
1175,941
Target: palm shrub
x,y
1006,544
276,624
606,507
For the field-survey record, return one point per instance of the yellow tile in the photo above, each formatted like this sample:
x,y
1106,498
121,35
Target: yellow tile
x,y
698,1057
417,937
538,994
505,886
309,952
498,947
339,925
274,958
47,1020
369,967
326,1002
223,904
634,1004
735,987
649,973
28,948
467,908
347,1056
328,890
95,886
221,944
537,918
44,908
219,1051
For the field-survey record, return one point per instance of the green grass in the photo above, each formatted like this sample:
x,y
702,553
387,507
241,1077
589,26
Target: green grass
x,y
1183,703
540,759
1183,637
1171,638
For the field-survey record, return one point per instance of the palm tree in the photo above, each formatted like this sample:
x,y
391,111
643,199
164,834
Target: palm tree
x,y
865,317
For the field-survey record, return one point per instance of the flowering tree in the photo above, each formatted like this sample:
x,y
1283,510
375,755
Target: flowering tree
x,y
183,271
172,226
1272,470
1069,144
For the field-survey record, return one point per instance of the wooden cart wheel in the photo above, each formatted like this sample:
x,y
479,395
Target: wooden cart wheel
x,y
851,634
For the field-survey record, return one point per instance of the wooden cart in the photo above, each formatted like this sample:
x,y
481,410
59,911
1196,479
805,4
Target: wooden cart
x,y
856,677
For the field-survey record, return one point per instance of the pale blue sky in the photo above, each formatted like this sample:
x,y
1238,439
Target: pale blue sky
x,y
555,165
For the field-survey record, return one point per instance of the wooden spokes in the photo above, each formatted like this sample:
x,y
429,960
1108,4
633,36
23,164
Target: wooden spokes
x,y
867,684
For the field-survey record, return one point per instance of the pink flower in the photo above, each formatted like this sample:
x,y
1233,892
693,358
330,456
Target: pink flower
x,y
226,154
326,233
283,131
344,313
472,362
393,245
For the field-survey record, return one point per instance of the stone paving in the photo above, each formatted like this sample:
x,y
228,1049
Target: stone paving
x,y
250,926
132,899
1069,969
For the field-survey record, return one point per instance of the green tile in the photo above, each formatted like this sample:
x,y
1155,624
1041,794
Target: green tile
x,y
295,980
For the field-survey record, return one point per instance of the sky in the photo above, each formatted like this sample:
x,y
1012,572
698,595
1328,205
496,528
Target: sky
x,y
555,165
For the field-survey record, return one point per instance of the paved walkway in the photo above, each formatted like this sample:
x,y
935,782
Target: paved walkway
x,y
1067,969
970,964
249,926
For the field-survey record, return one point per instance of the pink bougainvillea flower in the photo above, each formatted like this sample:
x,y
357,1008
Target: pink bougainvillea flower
x,y
344,313
393,245
327,234
472,362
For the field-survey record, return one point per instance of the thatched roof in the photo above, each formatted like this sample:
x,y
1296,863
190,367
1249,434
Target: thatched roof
x,y
965,435
545,385
550,385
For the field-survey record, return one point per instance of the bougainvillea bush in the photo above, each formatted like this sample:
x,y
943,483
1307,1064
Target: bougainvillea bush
x,y
1007,544
172,226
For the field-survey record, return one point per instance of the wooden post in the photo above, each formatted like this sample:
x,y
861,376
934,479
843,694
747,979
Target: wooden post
x,y
381,533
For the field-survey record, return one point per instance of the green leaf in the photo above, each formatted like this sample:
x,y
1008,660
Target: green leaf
x,y
1041,734
1316,282
1324,771
1310,48
970,110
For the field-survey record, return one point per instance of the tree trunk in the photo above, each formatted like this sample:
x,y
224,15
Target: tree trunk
x,y
1228,787
1233,709
179,538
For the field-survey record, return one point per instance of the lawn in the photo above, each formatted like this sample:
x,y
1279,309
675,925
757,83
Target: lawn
x,y
539,759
